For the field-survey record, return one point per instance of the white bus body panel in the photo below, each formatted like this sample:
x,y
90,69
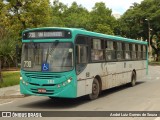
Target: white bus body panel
x,y
112,74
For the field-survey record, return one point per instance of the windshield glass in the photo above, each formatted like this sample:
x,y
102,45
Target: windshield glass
x,y
52,57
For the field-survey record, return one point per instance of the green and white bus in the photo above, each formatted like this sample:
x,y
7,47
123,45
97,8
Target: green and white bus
x,y
71,62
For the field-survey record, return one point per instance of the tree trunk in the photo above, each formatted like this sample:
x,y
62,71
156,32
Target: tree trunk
x,y
1,79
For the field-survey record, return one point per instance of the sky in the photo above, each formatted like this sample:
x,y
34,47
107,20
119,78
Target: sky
x,y
117,6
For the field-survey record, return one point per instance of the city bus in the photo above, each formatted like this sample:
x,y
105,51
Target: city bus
x,y
73,62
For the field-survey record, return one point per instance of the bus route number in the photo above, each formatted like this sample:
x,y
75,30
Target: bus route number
x,y
27,64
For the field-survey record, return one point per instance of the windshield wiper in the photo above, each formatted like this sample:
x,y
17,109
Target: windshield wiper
x,y
52,49
35,47
33,44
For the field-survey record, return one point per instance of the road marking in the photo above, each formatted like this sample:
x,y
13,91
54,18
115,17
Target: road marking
x,y
6,103
158,118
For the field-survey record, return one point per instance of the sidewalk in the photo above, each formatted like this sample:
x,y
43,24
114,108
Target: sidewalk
x,y
10,92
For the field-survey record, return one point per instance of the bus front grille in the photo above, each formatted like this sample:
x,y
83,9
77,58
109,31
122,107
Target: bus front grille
x,y
41,75
35,84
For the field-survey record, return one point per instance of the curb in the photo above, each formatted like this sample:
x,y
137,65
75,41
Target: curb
x,y
12,96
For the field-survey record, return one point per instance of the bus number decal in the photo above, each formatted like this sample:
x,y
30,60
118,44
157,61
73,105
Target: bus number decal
x,y
50,81
27,64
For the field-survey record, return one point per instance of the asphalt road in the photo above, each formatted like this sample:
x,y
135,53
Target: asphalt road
x,y
145,96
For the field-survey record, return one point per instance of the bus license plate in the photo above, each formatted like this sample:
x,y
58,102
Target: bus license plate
x,y
42,90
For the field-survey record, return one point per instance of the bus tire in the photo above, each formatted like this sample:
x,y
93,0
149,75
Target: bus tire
x,y
95,90
133,79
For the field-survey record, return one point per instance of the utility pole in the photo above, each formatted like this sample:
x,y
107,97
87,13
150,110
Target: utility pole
x,y
149,41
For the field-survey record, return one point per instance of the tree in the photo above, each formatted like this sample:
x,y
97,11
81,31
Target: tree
x,y
58,10
76,16
131,23
8,42
30,13
17,15
137,21
101,19
2,14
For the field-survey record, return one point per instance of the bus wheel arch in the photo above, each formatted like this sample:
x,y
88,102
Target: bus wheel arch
x,y
133,78
96,88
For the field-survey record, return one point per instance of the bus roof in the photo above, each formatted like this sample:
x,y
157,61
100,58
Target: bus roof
x,y
82,31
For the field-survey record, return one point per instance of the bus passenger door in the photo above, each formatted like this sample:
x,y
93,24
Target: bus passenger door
x,y
81,58
82,72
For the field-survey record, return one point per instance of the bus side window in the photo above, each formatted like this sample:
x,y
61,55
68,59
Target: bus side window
x,y
119,51
97,50
130,49
134,55
136,49
127,51
110,50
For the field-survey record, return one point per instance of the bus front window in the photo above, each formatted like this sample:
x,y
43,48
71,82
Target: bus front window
x,y
55,57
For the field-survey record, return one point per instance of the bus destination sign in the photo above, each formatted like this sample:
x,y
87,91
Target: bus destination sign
x,y
46,34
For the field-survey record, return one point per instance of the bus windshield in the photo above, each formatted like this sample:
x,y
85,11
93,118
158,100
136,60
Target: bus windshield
x,y
51,57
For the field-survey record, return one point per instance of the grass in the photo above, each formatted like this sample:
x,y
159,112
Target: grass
x,y
154,63
10,78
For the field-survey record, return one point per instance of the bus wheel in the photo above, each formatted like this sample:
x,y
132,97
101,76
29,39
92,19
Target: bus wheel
x,y
95,90
133,79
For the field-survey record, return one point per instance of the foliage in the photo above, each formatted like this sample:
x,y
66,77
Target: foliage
x,y
30,13
17,15
1,78
139,19
154,63
76,16
101,19
7,48
58,9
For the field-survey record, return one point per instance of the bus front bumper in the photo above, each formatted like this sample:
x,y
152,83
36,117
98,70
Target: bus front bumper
x,y
68,91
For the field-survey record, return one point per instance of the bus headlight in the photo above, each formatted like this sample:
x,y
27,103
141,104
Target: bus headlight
x,y
65,83
69,80
24,82
20,78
